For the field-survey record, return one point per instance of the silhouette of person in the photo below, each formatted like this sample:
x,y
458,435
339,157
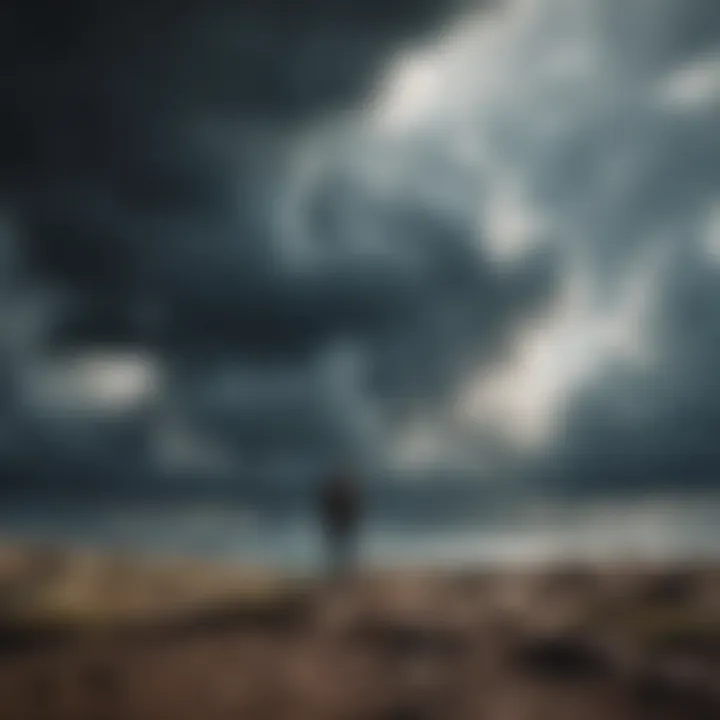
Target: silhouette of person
x,y
339,509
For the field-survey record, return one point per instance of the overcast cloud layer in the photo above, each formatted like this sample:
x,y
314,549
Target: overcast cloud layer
x,y
241,240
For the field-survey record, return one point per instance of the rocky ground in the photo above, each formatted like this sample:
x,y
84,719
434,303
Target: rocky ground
x,y
98,638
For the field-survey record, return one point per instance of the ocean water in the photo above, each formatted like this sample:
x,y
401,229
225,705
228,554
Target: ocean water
x,y
653,529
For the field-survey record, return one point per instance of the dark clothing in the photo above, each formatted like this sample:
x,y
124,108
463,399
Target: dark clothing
x,y
339,506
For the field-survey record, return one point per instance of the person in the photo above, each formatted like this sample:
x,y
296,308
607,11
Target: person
x,y
339,508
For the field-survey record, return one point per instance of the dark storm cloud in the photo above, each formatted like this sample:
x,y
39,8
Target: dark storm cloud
x,y
150,158
144,153
125,195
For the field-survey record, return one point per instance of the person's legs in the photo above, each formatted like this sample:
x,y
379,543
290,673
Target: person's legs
x,y
332,561
347,552
341,552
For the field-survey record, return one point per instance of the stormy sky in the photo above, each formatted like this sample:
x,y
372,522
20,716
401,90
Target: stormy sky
x,y
242,240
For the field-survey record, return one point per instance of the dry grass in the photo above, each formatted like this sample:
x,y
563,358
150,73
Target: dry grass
x,y
79,592
221,643
674,630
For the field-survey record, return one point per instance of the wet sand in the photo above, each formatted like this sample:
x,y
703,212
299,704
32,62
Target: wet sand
x,y
104,638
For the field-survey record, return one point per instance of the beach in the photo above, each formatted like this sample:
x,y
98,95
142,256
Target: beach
x,y
90,635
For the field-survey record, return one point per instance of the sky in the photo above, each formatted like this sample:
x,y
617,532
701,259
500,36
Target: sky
x,y
241,242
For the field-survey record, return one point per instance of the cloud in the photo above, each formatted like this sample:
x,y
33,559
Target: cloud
x,y
695,86
626,181
588,128
451,243
149,155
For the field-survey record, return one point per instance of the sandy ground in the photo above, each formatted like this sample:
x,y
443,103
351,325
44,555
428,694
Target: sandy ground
x,y
98,638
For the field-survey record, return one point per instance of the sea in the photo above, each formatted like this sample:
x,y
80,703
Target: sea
x,y
650,529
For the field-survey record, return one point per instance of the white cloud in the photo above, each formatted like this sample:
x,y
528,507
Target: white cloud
x,y
510,225
410,90
693,87
525,398
92,382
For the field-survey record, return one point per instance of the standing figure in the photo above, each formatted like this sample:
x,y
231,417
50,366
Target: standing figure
x,y
339,509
